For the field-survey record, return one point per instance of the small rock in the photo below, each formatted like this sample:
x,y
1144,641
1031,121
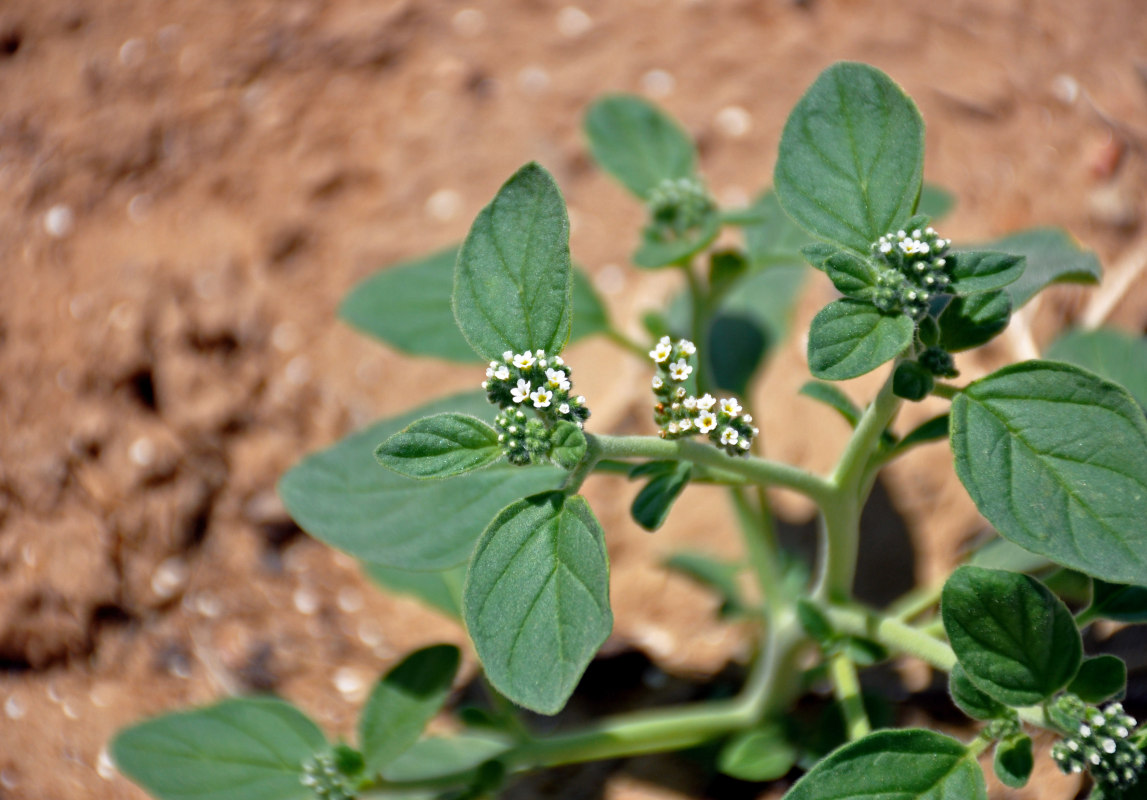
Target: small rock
x,y
59,221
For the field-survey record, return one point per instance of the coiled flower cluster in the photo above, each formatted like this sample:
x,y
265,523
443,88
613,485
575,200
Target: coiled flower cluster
x,y
913,268
679,205
531,381
1101,744
680,414
322,776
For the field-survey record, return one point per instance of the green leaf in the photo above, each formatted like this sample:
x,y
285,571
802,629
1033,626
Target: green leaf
x,y
407,306
968,322
1115,355
713,574
760,754
343,497
930,430
1056,459
441,446
637,143
935,201
512,282
240,749
567,444
436,757
655,252
969,699
773,238
851,157
999,553
1015,639
834,398
912,381
974,272
1013,761
536,600
651,506
440,590
1052,255
849,338
817,253
403,702
767,297
910,764
1120,603
852,275
1099,678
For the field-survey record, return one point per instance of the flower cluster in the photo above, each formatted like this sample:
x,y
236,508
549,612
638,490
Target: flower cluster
x,y
914,266
1101,744
531,381
323,778
679,205
680,414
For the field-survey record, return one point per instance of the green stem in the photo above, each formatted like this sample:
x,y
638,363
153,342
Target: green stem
x,y
915,602
699,307
760,547
945,390
593,454
624,342
846,687
893,634
757,470
1086,617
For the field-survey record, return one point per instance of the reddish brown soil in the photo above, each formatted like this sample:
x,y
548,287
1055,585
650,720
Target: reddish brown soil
x,y
189,187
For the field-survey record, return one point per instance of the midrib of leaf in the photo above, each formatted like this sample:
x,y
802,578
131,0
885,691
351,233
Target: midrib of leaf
x,y
860,177
906,794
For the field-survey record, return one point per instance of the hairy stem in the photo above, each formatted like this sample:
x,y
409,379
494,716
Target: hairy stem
x,y
846,687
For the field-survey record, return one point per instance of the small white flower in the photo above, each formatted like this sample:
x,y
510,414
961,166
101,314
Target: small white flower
x,y
675,407
687,347
508,355
690,403
679,370
542,363
564,408
706,402
657,382
513,429
524,361
661,352
501,437
522,392
747,418
917,234
745,444
1084,730
540,353
729,436
930,231
706,421
557,379
680,393
730,406
672,427
580,399
885,247
502,373
490,369
485,384
912,247
559,361
686,424
542,398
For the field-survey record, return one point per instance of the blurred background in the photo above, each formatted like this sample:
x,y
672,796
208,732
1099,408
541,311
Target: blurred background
x,y
189,187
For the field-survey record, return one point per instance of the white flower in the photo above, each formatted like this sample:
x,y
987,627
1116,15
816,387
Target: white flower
x,y
730,406
502,373
745,444
508,355
490,369
672,427
706,402
542,398
485,384
885,247
558,360
680,393
557,379
686,424
522,392
679,370
524,361
657,382
661,352
564,408
687,347
690,403
706,421
747,418
580,399
729,436
540,353
912,247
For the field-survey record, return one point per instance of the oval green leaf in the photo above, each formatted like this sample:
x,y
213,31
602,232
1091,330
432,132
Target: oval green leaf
x,y
849,338
1013,761
968,322
1099,678
852,275
978,271
969,699
761,754
637,143
241,749
567,444
1016,640
911,764
536,600
512,282
441,446
343,497
851,157
438,756
1117,602
1115,355
772,237
651,507
441,590
1056,459
403,702
1053,256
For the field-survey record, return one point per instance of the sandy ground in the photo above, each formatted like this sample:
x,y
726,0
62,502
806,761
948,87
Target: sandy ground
x,y
187,189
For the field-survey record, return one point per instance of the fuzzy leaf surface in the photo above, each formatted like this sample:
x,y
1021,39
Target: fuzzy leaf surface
x,y
773,238
343,497
1120,603
851,157
969,699
652,505
1099,678
1053,256
979,271
849,338
513,278
760,754
436,756
637,143
536,600
1112,354
834,398
1013,761
1016,640
1056,459
968,322
440,446
240,749
441,590
910,764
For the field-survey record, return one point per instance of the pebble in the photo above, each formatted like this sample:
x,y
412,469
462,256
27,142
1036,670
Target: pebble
x,y
14,707
370,634
286,336
8,779
573,22
350,600
444,205
533,80
469,22
350,683
658,83
105,767
298,371
1065,88
169,577
733,121
305,600
142,452
131,52
138,207
59,221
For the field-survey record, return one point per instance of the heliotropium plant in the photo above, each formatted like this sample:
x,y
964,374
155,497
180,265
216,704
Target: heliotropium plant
x,y
473,503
